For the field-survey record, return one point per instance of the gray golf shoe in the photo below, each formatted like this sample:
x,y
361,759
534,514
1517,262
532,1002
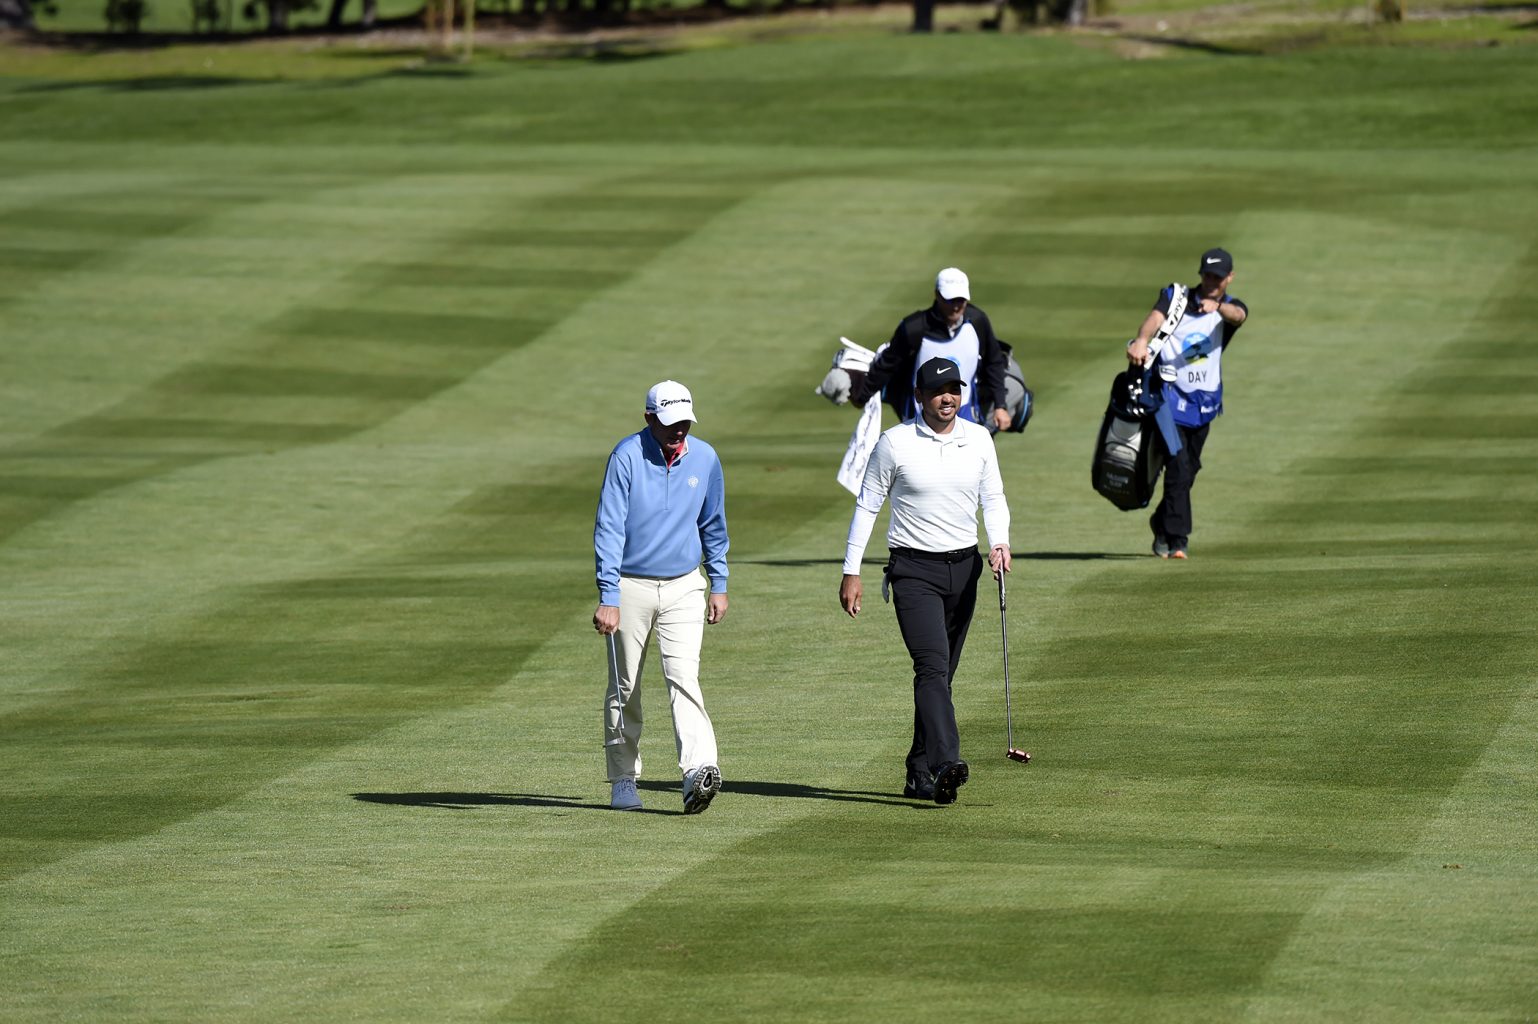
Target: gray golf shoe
x,y
623,796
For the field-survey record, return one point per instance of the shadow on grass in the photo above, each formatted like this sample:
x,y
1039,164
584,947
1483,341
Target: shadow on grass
x,y
731,787
467,801
1032,556
157,83
1076,556
433,69
1198,45
797,790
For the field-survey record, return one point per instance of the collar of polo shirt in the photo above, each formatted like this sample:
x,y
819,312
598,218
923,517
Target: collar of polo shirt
x,y
957,433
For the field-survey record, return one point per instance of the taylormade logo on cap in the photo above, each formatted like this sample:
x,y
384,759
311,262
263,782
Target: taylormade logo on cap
x,y
953,284
670,402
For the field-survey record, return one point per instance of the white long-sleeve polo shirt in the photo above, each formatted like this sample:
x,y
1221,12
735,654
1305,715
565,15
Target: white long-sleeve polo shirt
x,y
936,483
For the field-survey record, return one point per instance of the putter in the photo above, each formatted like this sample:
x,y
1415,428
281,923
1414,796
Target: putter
x,y
619,695
1013,752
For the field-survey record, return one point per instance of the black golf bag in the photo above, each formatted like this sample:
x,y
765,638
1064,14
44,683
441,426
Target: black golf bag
x,y
1128,453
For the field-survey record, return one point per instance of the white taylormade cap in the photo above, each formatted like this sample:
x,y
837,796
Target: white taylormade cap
x,y
952,284
671,402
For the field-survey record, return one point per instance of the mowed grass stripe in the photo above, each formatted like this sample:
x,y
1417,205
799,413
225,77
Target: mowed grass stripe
x,y
537,736
1469,856
270,648
289,664
257,405
1200,760
281,904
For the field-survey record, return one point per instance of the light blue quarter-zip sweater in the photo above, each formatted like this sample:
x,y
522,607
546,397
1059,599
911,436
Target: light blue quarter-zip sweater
x,y
660,520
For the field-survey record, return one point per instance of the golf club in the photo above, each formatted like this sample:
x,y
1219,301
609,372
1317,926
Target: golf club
x,y
1013,753
619,695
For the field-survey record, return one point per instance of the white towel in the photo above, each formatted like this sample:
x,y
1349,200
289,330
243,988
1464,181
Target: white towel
x,y
861,443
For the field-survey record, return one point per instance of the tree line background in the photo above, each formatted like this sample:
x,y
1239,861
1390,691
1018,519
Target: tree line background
x,y
130,17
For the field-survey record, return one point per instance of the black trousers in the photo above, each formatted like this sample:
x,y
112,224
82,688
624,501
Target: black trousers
x,y
934,596
1172,518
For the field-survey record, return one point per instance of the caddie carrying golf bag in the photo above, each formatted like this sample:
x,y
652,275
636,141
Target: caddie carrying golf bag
x,y
1128,455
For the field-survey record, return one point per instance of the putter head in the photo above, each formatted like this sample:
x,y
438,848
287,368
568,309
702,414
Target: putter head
x,y
1018,755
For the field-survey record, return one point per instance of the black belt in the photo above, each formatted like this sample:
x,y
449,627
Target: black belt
x,y
959,555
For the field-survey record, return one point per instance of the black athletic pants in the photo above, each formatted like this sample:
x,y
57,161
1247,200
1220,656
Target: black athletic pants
x,y
1171,520
934,595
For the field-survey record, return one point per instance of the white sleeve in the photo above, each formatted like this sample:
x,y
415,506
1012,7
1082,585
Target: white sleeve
x,y
990,492
867,505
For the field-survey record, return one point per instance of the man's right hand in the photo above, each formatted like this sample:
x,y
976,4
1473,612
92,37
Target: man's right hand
x,y
1137,351
606,619
849,593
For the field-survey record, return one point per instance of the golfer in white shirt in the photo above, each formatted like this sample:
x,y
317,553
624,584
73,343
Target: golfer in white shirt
x,y
937,469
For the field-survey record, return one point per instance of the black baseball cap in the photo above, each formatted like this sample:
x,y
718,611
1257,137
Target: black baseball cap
x,y
1217,261
938,373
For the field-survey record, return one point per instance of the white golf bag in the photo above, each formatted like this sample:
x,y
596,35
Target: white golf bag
x,y
850,361
853,360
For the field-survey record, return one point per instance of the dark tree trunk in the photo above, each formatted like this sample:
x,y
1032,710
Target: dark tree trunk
x,y
923,15
370,13
277,15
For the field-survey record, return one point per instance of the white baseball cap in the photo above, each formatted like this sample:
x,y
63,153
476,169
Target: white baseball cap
x,y
671,402
953,284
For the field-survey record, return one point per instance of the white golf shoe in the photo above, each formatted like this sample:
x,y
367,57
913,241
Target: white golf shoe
x,y
700,787
623,796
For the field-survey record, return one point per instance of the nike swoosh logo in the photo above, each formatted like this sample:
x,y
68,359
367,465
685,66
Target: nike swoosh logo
x,y
1215,261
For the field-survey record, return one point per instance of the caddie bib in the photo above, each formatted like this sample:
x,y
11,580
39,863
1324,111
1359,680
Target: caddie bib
x,y
1192,366
965,350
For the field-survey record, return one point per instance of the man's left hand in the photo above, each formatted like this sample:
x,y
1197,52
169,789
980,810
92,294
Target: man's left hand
x,y
715,608
999,560
1002,419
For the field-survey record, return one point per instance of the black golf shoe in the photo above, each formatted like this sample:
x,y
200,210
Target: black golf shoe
x,y
951,776
919,789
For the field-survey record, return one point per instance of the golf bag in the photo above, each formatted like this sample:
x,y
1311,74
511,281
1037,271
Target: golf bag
x,y
852,361
850,364
1018,399
1128,455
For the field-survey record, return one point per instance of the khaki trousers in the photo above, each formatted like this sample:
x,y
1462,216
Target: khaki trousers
x,y
675,611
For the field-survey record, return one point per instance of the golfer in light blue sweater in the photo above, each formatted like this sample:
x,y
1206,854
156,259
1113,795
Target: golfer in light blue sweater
x,y
661,512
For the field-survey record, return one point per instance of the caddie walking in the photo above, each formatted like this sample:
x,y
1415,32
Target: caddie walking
x,y
1190,364
662,510
951,328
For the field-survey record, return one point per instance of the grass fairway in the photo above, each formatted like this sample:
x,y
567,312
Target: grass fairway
x,y
305,392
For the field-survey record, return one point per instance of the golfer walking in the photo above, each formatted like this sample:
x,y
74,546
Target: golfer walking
x,y
1191,366
936,469
661,510
952,328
